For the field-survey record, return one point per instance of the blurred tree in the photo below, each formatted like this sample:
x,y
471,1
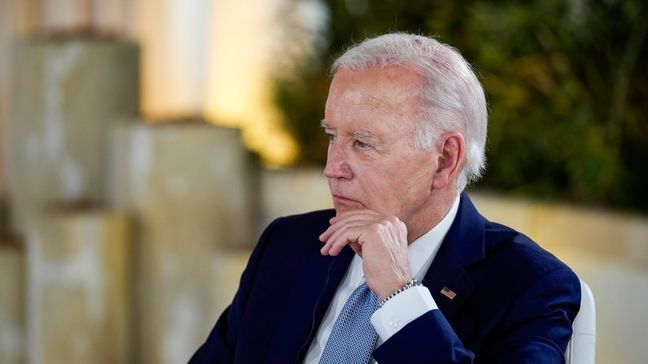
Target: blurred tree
x,y
564,78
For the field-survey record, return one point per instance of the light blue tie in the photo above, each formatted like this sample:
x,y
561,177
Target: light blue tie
x,y
353,338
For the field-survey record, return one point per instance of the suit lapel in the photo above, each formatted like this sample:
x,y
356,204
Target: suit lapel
x,y
316,282
463,245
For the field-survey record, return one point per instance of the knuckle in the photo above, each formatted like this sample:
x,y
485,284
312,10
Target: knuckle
x,y
375,226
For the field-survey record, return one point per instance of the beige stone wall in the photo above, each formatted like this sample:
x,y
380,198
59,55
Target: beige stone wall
x,y
188,189
78,286
6,34
292,191
184,176
65,96
596,232
12,301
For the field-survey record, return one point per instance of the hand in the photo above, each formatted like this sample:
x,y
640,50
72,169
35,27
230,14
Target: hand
x,y
380,240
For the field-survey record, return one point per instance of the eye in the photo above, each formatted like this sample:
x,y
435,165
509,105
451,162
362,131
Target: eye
x,y
361,145
331,137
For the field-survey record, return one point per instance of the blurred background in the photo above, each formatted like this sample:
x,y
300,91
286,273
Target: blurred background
x,y
146,143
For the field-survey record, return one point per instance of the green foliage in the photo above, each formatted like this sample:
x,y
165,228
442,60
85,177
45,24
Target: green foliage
x,y
566,83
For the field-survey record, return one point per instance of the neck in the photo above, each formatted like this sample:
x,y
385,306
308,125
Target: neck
x,y
431,213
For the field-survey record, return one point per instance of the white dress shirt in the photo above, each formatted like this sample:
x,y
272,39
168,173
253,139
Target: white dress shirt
x,y
402,308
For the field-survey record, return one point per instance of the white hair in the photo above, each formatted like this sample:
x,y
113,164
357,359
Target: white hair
x,y
452,97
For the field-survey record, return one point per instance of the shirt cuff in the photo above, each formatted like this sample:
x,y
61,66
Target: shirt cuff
x,y
402,309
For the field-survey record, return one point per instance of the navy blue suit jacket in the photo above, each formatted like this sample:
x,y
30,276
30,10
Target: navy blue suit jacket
x,y
514,302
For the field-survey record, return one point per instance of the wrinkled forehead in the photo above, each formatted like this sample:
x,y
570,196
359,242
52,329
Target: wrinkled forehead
x,y
385,89
407,80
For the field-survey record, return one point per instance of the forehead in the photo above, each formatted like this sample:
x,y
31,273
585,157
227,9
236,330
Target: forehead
x,y
376,98
395,82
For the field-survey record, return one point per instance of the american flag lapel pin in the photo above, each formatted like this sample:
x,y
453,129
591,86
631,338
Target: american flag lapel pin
x,y
448,293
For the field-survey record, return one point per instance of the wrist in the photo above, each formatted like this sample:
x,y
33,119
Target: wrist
x,y
411,283
385,286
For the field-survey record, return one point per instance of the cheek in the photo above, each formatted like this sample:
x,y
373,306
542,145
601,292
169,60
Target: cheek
x,y
413,179
373,183
393,184
384,188
422,177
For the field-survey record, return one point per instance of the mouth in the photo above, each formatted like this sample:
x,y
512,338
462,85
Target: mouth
x,y
343,200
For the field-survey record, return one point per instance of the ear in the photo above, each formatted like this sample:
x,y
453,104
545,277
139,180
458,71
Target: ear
x,y
450,160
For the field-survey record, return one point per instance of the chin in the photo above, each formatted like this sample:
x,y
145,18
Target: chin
x,y
340,208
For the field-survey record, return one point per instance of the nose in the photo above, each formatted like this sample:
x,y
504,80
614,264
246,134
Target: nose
x,y
336,164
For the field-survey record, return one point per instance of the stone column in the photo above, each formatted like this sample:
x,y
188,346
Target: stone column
x,y
79,288
187,185
12,301
292,191
66,95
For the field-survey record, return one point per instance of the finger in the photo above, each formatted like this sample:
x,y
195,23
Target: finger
x,y
334,236
334,239
360,220
349,218
346,214
344,229
348,234
336,242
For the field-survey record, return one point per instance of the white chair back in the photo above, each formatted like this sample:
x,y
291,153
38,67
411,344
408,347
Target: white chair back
x,y
582,346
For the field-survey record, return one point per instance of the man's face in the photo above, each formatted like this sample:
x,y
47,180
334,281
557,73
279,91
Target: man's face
x,y
372,163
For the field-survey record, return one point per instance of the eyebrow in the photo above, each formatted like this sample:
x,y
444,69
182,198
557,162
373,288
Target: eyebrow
x,y
360,134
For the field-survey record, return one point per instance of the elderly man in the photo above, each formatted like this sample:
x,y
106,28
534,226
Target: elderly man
x,y
404,270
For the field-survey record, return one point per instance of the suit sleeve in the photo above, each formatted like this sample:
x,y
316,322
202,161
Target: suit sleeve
x,y
221,343
536,329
